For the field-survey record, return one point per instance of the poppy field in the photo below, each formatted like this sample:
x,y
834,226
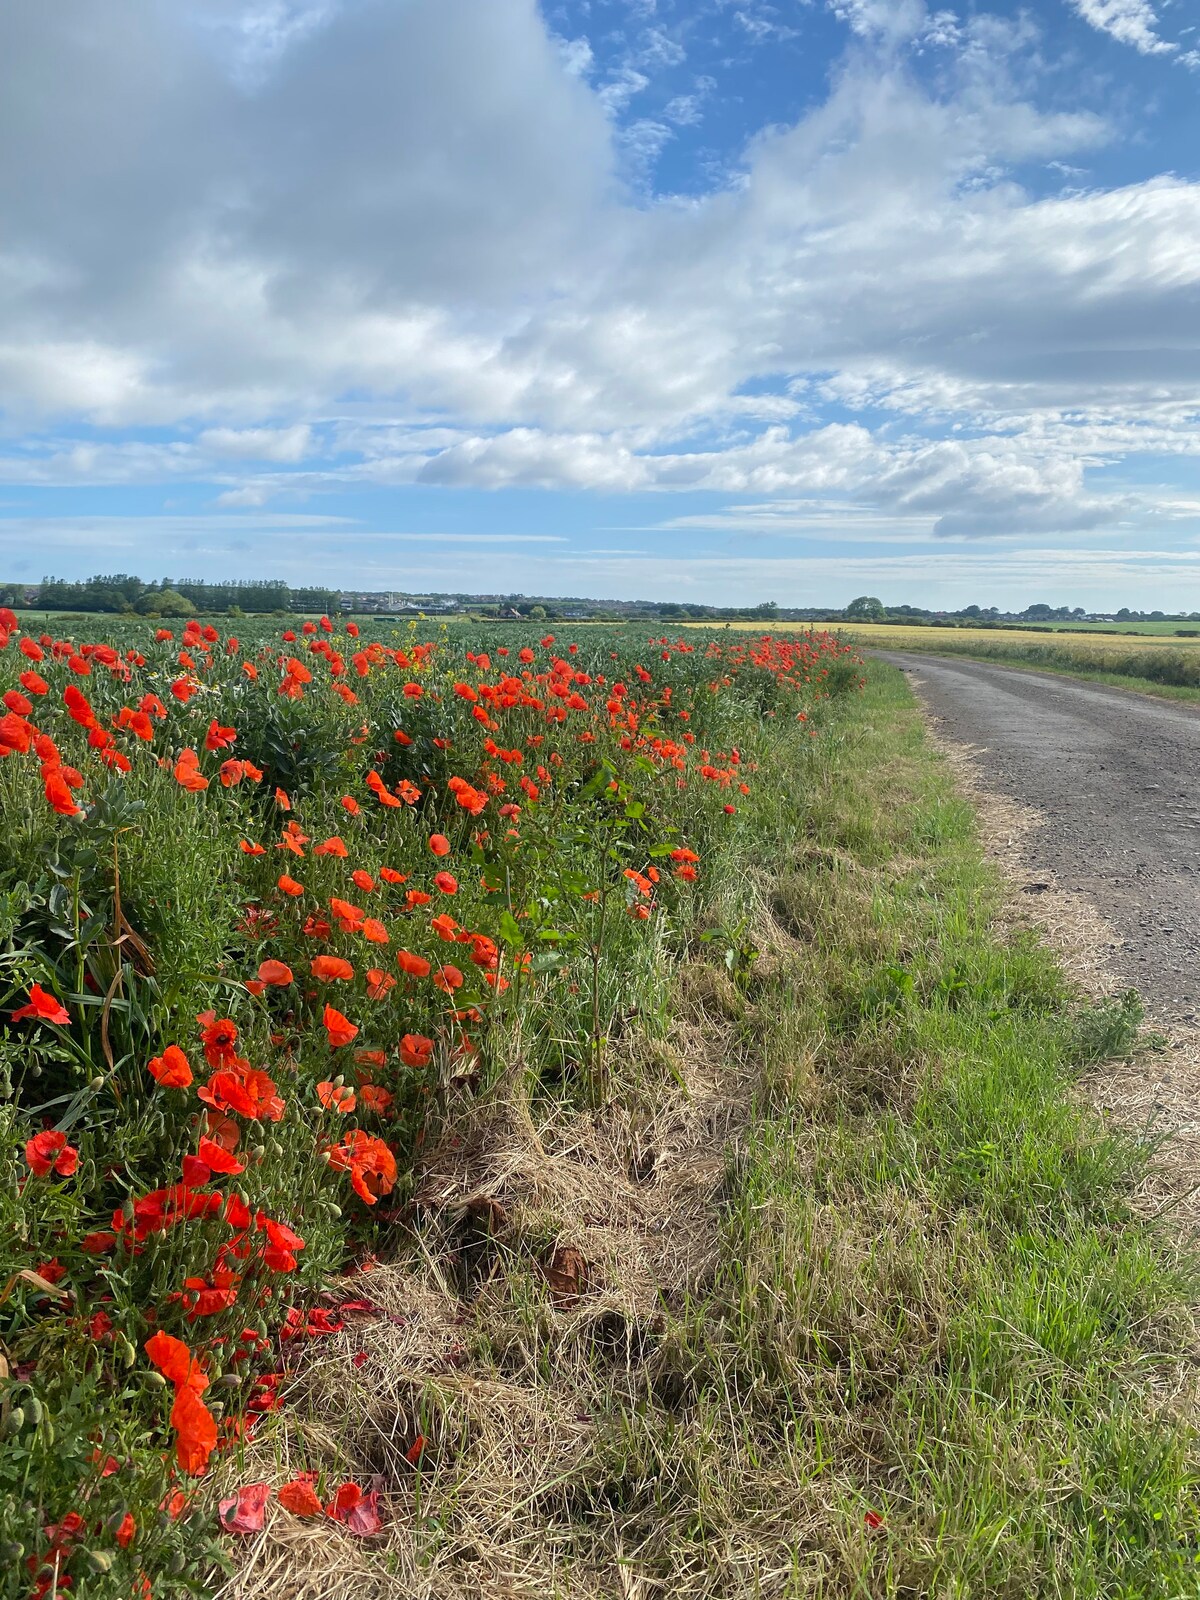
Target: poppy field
x,y
272,901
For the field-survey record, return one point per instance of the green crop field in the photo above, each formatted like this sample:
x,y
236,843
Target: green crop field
x,y
573,1098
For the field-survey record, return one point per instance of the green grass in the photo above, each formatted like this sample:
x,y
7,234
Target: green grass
x,y
923,1299
932,1302
1060,665
1112,680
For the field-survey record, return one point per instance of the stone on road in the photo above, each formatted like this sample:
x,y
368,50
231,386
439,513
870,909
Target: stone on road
x,y
1115,776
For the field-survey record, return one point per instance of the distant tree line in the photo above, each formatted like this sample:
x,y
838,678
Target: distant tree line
x,y
177,597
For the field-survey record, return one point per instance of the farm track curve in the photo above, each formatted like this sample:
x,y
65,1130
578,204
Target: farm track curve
x,y
1113,777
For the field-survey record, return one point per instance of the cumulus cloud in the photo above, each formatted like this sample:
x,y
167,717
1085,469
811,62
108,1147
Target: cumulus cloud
x,y
244,212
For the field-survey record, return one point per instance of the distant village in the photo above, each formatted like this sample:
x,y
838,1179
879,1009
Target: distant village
x,y
123,594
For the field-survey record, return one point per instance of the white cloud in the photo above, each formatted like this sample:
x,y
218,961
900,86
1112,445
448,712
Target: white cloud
x,y
258,444
1132,22
422,206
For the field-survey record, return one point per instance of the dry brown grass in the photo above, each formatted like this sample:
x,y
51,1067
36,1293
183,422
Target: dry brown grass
x,y
490,1356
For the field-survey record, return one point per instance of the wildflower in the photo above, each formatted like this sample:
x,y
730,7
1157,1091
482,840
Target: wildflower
x,y
446,882
370,1163
416,1050
49,1152
289,885
327,969
244,1511
336,1097
412,966
439,844
374,1098
300,1498
245,1090
218,1038
43,1006
378,983
171,1069
356,1511
276,973
339,1028
448,978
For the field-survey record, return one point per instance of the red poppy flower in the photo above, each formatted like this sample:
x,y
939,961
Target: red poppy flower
x,y
328,969
245,1090
439,844
416,1050
219,1038
43,1006
357,1512
446,882
374,1098
448,979
414,966
277,973
171,1069
289,885
370,1163
195,1432
49,1152
339,1028
374,931
244,1511
300,1498
378,983
175,1361
218,1158
336,1097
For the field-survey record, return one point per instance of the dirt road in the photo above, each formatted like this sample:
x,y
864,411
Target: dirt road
x,y
1116,778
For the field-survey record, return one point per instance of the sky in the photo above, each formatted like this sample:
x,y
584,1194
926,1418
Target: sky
x,y
710,300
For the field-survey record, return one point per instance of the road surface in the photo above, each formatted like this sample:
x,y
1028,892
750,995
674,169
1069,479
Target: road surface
x,y
1116,776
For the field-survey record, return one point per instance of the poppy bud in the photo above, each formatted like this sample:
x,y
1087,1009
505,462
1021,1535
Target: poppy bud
x,y
14,1422
96,1083
339,1080
11,1553
276,1147
258,1151
227,1380
33,1409
333,1210
155,1379
101,1560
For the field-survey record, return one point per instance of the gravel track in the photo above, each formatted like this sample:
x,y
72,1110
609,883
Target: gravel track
x,y
1113,774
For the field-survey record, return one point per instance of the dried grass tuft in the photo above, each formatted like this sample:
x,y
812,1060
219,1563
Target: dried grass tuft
x,y
545,1244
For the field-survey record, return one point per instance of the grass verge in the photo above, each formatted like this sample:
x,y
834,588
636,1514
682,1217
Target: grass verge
x,y
839,1294
1163,674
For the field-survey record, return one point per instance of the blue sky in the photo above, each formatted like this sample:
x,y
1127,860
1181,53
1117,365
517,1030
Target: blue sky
x,y
721,300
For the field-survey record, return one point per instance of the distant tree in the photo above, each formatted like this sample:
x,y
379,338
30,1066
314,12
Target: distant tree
x,y
165,603
537,613
865,609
